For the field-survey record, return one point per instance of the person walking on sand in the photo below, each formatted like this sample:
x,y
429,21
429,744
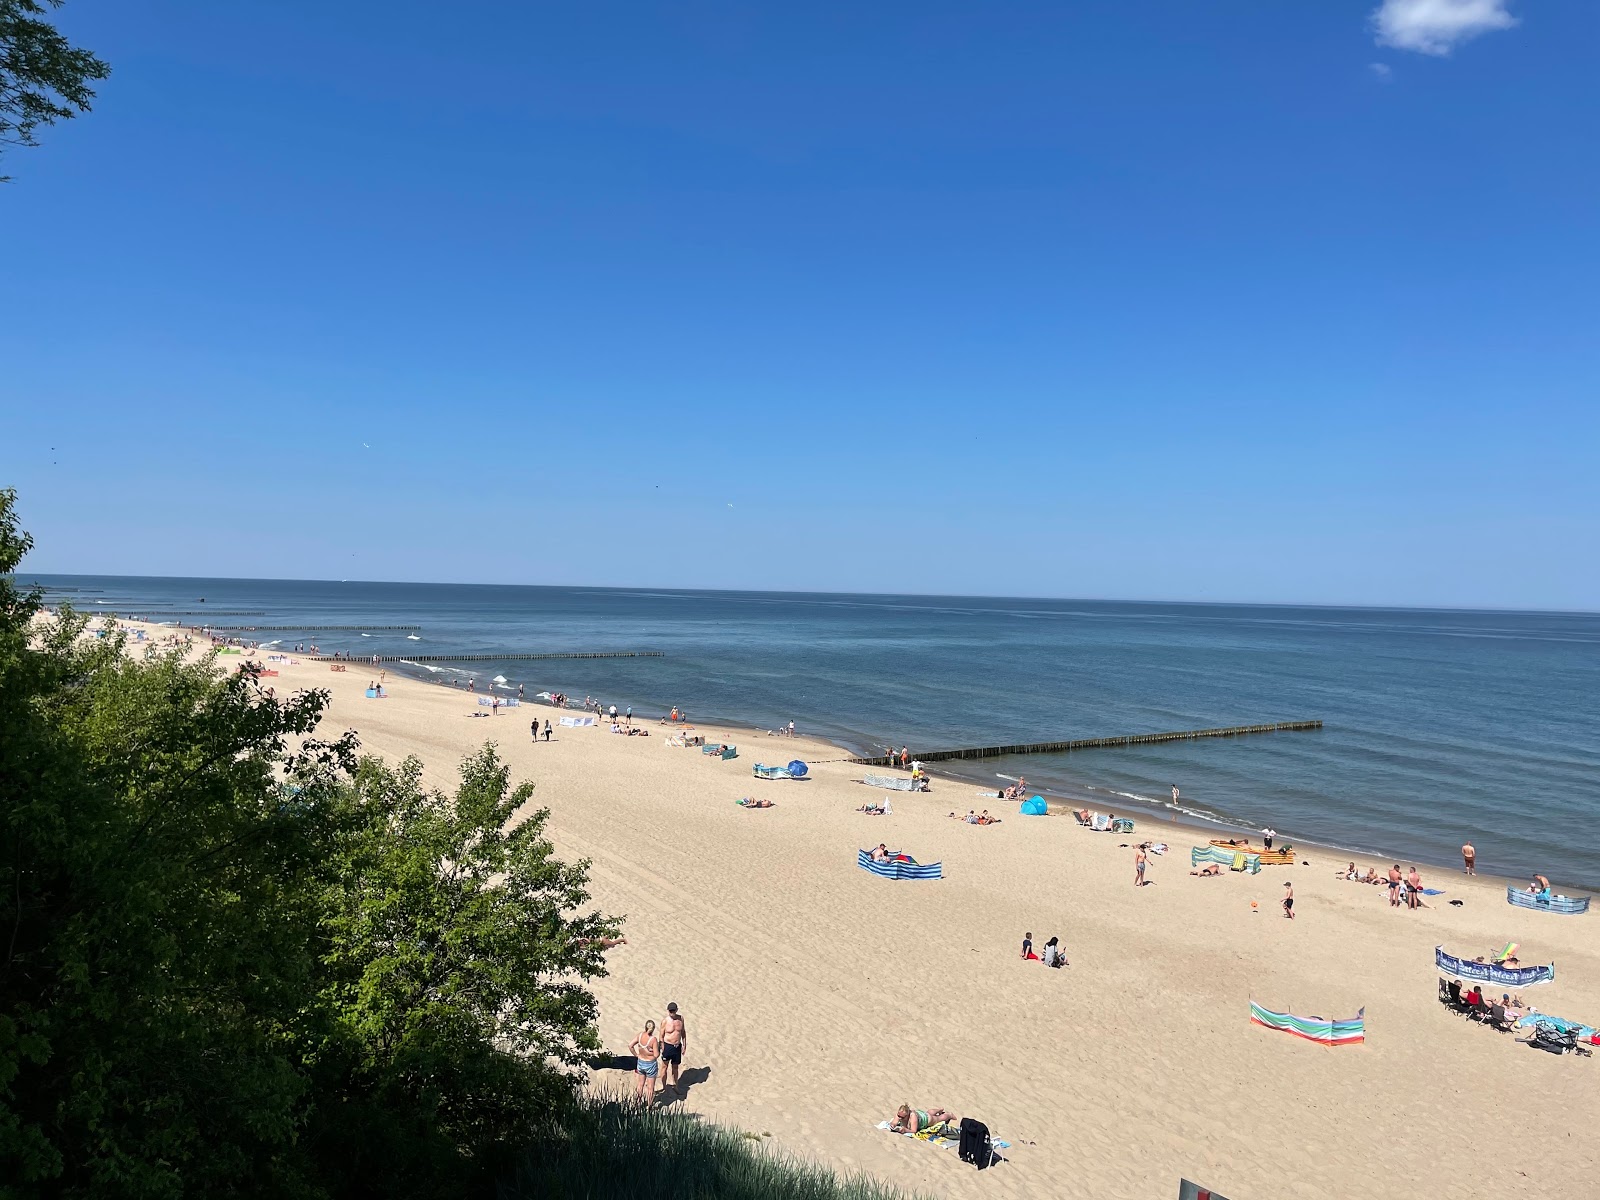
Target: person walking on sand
x,y
1469,856
647,1052
674,1038
535,728
547,729
1288,899
1267,835
1138,866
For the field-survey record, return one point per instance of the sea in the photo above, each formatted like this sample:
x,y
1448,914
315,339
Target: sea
x,y
1439,726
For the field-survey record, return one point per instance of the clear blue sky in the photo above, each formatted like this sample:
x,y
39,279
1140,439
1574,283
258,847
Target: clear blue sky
x,y
1164,299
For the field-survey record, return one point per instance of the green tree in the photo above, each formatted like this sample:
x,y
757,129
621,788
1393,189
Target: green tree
x,y
234,961
43,77
456,974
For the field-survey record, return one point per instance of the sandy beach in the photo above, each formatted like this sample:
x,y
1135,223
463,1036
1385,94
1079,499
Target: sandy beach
x,y
819,997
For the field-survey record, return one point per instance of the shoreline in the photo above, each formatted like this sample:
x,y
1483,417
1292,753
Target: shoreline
x,y
1060,801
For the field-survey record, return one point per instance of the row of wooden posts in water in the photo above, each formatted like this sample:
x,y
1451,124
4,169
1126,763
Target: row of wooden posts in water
x,y
1099,743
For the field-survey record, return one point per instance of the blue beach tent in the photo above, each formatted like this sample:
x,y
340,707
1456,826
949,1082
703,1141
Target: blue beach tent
x,y
1034,806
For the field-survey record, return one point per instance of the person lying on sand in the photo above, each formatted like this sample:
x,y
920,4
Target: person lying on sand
x,y
749,803
915,1120
605,943
1209,869
872,810
985,819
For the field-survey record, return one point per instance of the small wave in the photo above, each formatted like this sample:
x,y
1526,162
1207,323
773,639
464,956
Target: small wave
x,y
411,637
366,635
273,642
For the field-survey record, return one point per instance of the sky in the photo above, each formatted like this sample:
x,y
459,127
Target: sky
x,y
1234,301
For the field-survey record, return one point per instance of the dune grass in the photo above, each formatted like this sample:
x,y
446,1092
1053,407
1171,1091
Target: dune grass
x,y
602,1149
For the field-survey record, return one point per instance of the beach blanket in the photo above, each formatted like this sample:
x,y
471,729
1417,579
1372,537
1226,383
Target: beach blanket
x,y
765,772
899,866
945,1136
1521,898
575,722
1584,1032
1492,972
1234,860
1314,1029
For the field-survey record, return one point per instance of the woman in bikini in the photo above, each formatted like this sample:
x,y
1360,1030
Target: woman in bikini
x,y
915,1120
647,1052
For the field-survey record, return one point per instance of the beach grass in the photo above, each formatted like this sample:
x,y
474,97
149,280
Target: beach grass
x,y
600,1149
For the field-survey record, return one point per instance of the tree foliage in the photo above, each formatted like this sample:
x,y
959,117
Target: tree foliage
x,y
234,960
43,77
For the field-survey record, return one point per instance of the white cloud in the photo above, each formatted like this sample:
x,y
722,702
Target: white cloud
x,y
1381,70
1437,26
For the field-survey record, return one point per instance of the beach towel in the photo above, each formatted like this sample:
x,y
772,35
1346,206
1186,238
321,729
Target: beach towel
x,y
940,1135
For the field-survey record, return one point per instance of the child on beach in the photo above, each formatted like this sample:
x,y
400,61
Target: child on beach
x,y
1288,899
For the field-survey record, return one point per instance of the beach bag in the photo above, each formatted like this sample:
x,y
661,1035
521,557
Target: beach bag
x,y
974,1146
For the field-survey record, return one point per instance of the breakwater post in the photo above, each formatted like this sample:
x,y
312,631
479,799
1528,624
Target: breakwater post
x,y
1100,743
455,658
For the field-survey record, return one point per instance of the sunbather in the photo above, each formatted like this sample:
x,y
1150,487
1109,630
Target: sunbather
x,y
880,853
873,810
747,802
916,1120
1209,869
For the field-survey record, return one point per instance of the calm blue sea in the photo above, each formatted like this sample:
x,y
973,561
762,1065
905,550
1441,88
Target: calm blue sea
x,y
1440,725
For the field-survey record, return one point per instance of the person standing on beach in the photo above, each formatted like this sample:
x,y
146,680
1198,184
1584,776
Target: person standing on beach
x,y
1174,793
1413,888
630,716
674,1038
1469,856
547,729
535,728
1138,865
905,757
646,1062
1394,886
1267,835
1288,899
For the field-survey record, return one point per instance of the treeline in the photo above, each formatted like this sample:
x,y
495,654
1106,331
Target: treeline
x,y
235,959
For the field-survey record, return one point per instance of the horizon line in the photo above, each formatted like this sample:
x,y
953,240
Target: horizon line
x,y
1573,612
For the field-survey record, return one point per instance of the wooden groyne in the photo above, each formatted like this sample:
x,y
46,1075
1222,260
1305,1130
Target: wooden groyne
x,y
319,629
455,658
1100,743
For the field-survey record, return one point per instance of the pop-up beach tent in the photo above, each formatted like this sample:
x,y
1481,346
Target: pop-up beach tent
x,y
1034,806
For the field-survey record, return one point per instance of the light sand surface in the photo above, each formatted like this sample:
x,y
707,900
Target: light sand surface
x,y
818,997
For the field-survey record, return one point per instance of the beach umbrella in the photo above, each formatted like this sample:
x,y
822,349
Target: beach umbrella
x,y
797,768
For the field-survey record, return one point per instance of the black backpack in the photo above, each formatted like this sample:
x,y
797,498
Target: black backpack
x,y
974,1146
